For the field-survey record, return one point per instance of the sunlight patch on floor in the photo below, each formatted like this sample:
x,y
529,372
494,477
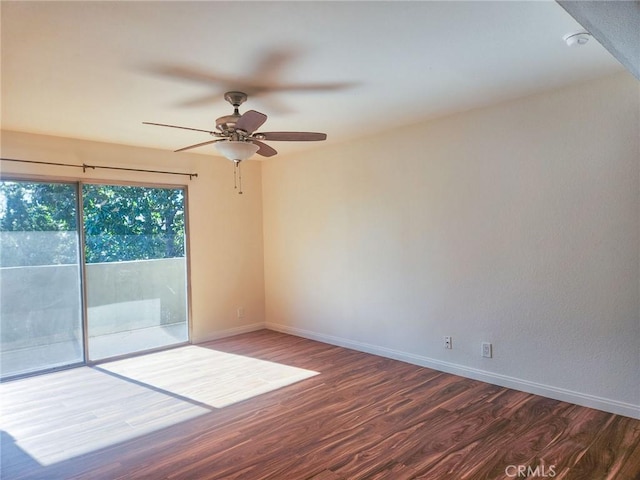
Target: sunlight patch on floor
x,y
207,376
61,415
58,416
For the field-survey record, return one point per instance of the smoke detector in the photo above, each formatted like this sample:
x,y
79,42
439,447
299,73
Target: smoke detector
x,y
577,38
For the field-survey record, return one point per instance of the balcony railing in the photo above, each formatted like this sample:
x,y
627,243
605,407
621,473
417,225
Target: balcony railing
x,y
131,306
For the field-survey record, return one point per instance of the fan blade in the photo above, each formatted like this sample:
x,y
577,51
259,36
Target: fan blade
x,y
197,145
199,101
264,149
250,121
291,136
176,126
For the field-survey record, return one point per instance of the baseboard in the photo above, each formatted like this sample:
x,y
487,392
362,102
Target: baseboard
x,y
585,400
230,332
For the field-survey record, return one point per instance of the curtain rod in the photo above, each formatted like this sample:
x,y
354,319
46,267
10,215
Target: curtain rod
x,y
84,167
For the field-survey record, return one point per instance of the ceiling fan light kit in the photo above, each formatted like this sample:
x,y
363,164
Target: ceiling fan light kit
x,y
236,151
235,138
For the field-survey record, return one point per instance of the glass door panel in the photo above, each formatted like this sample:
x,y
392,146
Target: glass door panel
x,y
40,287
136,269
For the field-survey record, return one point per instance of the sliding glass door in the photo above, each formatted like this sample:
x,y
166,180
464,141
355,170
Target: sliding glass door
x,y
133,280
40,287
136,269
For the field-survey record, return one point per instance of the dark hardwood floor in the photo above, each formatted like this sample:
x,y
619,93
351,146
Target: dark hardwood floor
x,y
360,417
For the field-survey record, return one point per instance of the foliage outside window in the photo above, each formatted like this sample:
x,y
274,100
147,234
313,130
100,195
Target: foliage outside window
x,y
132,223
122,223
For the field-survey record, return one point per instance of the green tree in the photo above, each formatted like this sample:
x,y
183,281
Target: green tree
x,y
121,223
37,207
37,224
132,223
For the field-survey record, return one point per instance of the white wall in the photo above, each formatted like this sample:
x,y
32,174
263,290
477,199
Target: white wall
x,y
517,224
226,257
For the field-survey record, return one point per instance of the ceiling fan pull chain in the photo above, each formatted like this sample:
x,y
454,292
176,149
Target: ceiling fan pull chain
x,y
237,176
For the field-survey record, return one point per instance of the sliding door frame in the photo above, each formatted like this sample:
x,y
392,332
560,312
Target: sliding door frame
x,y
78,183
79,258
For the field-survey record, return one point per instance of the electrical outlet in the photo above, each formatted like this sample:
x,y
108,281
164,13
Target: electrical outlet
x,y
240,312
486,350
447,343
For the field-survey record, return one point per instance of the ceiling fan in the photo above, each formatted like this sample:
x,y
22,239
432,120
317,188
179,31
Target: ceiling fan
x,y
237,128
236,136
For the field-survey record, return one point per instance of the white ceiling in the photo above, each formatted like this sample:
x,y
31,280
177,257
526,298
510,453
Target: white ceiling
x,y
97,70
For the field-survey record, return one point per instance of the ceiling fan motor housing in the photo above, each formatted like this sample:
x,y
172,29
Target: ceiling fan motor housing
x,y
227,123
